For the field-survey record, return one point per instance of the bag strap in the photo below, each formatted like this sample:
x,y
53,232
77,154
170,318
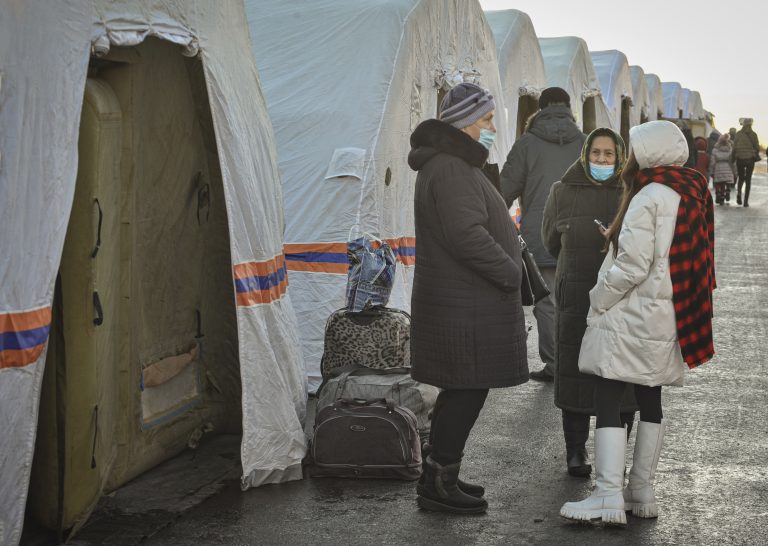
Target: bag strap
x,y
345,372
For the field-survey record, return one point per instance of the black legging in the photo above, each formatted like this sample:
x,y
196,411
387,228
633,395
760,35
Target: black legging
x,y
745,167
608,396
452,420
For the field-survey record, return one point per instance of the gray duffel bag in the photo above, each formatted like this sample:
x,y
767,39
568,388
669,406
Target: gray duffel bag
x,y
368,384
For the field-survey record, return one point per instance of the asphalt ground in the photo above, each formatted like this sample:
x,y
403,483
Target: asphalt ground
x,y
712,480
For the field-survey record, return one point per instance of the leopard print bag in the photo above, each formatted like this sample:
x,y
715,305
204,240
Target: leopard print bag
x,y
378,338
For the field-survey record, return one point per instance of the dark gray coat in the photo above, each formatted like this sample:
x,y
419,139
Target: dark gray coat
x,y
571,235
467,328
551,143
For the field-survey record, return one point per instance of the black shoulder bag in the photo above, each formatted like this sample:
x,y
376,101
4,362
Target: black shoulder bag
x,y
534,288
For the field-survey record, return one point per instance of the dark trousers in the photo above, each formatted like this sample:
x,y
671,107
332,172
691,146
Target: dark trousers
x,y
455,414
744,168
721,188
544,312
608,396
576,427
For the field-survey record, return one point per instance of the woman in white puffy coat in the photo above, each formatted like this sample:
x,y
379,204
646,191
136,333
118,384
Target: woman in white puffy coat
x,y
640,329
722,169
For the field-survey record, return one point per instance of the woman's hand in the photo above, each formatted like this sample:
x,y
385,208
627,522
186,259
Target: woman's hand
x,y
602,228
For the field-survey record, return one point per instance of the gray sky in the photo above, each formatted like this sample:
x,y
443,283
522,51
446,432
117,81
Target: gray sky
x,y
718,48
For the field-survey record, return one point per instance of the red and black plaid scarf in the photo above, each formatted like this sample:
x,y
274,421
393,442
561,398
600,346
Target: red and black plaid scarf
x,y
691,259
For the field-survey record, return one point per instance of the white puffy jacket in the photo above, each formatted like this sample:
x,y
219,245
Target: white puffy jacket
x,y
631,332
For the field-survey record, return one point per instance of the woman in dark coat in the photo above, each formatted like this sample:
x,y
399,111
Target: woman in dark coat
x,y
467,330
590,190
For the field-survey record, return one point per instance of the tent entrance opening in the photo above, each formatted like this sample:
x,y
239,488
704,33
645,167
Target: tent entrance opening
x,y
143,354
526,107
589,115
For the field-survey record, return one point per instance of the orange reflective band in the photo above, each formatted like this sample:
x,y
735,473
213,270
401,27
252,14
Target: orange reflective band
x,y
27,320
17,359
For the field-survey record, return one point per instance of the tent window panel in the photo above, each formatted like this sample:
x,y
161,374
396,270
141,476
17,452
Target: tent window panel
x,y
346,163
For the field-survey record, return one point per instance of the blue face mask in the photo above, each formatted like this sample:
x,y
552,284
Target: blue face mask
x,y
487,138
601,172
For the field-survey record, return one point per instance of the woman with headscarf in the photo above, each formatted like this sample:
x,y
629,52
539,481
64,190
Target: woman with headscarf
x,y
467,330
650,316
585,199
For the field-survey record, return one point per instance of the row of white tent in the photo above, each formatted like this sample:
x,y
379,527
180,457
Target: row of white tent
x,y
178,194
341,135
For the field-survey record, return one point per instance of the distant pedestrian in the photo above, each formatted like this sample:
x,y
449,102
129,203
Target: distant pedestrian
x,y
589,192
690,162
650,315
712,139
468,329
550,144
722,169
702,156
746,150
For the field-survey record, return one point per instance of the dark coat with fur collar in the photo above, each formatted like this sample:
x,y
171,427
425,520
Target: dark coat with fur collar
x,y
467,328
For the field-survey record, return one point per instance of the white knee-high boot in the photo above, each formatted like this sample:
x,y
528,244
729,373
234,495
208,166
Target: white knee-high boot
x,y
639,495
606,503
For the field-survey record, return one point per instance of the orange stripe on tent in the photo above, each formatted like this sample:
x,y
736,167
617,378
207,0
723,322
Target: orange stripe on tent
x,y
253,269
401,241
27,320
408,242
17,359
332,248
318,267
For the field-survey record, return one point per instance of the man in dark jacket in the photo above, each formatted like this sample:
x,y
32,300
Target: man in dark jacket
x,y
551,143
467,329
746,150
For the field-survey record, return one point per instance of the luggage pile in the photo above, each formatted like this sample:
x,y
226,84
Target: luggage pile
x,y
371,415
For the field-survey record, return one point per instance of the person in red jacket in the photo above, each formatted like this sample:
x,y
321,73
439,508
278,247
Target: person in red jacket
x,y
702,158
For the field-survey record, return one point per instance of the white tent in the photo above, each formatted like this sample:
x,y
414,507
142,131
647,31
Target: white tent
x,y
641,101
692,106
615,80
674,103
568,65
655,96
521,66
699,120
346,82
186,217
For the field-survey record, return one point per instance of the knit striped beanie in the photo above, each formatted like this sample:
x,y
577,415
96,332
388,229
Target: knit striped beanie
x,y
465,104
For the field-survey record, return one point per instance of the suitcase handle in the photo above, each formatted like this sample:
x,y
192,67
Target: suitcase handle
x,y
361,402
